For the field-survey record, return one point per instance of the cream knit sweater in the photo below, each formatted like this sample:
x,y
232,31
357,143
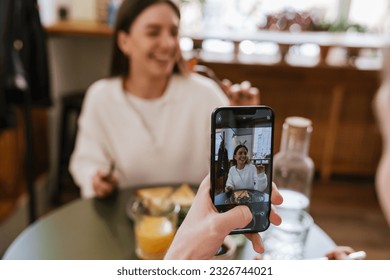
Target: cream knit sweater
x,y
173,146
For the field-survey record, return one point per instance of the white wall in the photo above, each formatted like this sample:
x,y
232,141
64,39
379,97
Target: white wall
x,y
77,9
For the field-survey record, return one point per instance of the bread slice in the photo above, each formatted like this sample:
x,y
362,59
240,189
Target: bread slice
x,y
183,196
152,193
156,200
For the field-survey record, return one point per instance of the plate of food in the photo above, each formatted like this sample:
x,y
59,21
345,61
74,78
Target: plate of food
x,y
157,197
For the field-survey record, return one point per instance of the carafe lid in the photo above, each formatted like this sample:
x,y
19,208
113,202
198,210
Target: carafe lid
x,y
296,134
299,122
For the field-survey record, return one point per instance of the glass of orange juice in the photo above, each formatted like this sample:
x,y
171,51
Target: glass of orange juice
x,y
155,224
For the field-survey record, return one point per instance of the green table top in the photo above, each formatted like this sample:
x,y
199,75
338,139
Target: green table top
x,y
83,229
99,229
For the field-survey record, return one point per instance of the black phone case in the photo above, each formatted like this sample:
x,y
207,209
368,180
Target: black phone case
x,y
260,204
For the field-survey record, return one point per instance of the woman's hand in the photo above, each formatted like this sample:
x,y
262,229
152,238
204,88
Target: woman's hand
x,y
104,184
241,94
260,168
340,253
204,229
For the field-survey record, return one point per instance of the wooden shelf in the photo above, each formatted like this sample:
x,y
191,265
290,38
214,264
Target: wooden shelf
x,y
325,40
84,28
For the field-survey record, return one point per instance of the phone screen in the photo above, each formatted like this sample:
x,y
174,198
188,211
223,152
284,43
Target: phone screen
x,y
241,161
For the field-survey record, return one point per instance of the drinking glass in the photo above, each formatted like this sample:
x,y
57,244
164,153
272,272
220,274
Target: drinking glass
x,y
287,241
155,226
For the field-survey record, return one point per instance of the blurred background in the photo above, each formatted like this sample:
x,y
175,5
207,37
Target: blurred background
x,y
321,60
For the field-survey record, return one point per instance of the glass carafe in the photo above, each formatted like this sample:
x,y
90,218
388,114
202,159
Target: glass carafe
x,y
293,169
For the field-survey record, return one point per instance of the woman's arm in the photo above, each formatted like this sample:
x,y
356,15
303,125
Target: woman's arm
x,y
229,182
90,160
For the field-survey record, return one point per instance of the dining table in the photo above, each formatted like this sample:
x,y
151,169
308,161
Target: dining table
x,y
100,229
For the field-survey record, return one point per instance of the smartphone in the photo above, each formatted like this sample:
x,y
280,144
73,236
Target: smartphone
x,y
241,161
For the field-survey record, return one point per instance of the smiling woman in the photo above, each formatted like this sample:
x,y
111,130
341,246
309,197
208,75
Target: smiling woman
x,y
131,119
147,40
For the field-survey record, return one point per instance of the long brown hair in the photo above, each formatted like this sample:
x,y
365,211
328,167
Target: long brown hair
x,y
234,161
127,13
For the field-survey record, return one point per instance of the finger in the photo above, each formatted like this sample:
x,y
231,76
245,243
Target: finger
x,y
276,197
347,249
250,93
98,184
106,188
100,174
236,88
245,85
102,188
101,178
227,83
257,243
204,186
234,92
98,191
340,253
112,179
253,91
337,256
203,194
274,216
238,217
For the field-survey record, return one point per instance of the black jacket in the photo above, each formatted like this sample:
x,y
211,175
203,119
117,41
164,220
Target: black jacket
x,y
223,160
23,57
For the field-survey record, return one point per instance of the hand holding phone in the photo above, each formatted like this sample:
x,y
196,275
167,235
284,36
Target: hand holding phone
x,y
204,240
241,162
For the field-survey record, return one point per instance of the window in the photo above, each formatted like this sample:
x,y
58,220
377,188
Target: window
x,y
250,14
371,14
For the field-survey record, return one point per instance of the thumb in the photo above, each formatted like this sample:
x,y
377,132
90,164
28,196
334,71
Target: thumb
x,y
227,83
238,217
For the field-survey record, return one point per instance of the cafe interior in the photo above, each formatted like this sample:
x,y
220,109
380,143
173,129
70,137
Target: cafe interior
x,y
319,61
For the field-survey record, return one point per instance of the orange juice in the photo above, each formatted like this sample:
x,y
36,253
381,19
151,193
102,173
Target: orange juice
x,y
154,235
